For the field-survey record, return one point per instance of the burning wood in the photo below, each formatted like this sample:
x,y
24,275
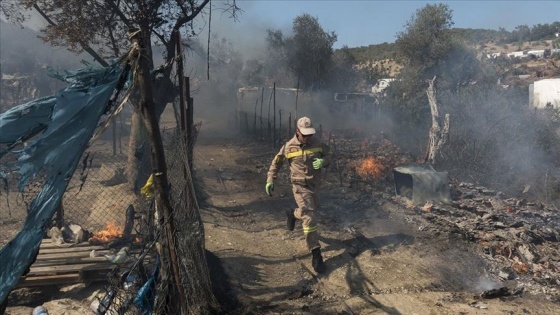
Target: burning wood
x,y
369,168
111,233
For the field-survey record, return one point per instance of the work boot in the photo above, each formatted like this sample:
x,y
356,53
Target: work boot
x,y
317,261
291,220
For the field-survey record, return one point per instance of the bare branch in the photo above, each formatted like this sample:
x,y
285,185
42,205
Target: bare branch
x,y
85,47
118,11
187,18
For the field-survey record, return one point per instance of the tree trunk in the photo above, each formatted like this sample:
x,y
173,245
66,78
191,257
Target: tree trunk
x,y
159,167
438,135
134,152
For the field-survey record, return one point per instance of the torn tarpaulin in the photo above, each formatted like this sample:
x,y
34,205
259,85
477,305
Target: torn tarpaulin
x,y
66,130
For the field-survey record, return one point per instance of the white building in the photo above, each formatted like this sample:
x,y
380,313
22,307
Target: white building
x,y
536,53
381,85
517,54
545,93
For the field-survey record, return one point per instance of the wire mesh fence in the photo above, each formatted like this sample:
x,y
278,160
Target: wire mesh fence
x,y
149,282
161,264
97,195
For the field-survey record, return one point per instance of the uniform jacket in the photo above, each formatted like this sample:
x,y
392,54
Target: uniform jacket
x,y
300,158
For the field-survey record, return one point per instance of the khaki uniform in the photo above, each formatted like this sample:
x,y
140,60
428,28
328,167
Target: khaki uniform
x,y
305,181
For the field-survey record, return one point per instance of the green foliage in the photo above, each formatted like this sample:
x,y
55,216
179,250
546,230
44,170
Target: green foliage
x,y
427,37
343,76
470,36
364,54
427,48
307,53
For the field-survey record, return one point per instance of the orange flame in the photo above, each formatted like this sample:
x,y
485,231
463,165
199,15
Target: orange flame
x,y
110,233
369,167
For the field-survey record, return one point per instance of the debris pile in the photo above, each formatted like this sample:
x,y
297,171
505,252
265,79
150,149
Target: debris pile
x,y
521,239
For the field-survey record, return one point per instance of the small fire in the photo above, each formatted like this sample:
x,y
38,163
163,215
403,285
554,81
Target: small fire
x,y
369,167
110,233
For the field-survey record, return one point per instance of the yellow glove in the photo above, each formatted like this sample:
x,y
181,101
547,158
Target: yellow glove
x,y
318,163
148,189
269,188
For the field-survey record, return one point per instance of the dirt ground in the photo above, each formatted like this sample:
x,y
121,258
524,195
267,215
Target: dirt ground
x,y
380,257
400,266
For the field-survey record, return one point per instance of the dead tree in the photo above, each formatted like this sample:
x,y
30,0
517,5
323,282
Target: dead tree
x,y
438,135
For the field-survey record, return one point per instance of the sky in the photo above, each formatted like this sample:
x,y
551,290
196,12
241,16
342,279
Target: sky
x,y
365,22
356,22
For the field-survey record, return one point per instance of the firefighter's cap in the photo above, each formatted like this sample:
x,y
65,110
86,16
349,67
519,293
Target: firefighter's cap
x,y
305,126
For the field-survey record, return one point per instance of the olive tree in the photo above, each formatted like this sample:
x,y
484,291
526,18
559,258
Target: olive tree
x,y
307,53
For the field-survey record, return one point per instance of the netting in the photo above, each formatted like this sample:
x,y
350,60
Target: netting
x,y
158,257
148,283
98,193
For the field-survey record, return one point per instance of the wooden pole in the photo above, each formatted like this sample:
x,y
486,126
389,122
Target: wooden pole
x,y
190,123
274,111
280,124
182,87
297,93
268,116
289,135
255,118
261,116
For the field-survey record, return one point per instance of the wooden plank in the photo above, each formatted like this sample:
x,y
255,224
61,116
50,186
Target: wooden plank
x,y
59,270
72,261
57,265
69,261
64,255
52,250
66,245
49,280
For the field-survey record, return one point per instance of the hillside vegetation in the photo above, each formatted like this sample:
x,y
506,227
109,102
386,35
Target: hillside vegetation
x,y
384,59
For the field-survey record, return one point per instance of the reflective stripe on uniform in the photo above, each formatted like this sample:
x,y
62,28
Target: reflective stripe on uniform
x,y
310,229
279,159
302,152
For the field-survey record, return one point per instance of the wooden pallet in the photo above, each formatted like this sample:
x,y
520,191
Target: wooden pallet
x,y
66,265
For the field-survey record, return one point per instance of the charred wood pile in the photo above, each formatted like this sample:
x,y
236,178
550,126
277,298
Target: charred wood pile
x,y
519,237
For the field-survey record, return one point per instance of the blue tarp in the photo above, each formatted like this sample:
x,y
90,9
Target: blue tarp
x,y
62,125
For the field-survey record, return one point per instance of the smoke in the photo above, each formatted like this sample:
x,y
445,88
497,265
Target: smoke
x,y
24,59
216,80
22,51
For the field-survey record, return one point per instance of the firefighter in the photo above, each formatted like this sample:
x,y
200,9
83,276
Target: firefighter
x,y
306,155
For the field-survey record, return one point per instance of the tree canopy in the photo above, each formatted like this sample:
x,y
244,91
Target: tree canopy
x,y
307,53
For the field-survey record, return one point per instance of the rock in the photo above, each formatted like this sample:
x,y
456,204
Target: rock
x,y
73,233
524,251
56,235
40,310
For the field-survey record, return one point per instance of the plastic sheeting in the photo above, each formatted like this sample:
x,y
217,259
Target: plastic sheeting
x,y
57,130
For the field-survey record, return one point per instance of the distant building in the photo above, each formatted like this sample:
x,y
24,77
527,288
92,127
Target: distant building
x,y
536,53
493,55
545,93
381,85
518,54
